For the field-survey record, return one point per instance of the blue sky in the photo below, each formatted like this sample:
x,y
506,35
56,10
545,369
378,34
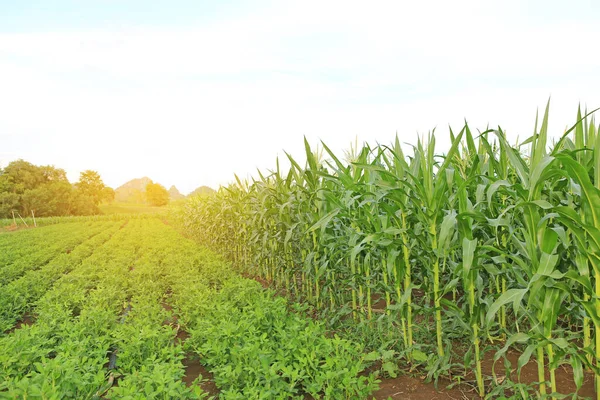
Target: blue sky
x,y
191,92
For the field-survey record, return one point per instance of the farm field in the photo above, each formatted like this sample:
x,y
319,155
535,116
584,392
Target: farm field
x,y
469,274
112,210
129,208
250,200
477,268
126,308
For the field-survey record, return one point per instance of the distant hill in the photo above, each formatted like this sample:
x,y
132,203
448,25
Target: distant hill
x,y
174,194
202,190
132,191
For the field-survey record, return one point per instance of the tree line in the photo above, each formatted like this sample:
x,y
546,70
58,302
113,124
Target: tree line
x,y
45,190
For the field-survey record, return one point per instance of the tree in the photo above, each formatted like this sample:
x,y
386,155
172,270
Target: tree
x,y
90,184
82,204
54,198
157,195
108,194
9,202
24,176
25,187
52,174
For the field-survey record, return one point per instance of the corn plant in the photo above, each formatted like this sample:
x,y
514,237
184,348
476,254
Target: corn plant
x,y
497,242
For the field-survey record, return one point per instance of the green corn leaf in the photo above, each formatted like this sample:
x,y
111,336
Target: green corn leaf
x,y
590,194
469,247
446,230
577,371
525,357
519,337
511,295
322,223
547,264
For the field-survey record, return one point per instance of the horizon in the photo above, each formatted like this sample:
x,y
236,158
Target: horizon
x,y
192,98
168,187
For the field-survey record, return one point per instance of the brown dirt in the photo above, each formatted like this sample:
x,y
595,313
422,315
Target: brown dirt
x,y
11,228
378,302
181,337
264,283
172,320
564,374
193,369
409,388
412,388
26,320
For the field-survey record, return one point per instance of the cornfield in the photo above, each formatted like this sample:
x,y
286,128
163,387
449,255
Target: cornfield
x,y
490,241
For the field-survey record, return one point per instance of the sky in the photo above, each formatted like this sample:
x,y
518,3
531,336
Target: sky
x,y
190,93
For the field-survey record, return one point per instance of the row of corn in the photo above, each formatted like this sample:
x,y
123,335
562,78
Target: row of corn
x,y
497,242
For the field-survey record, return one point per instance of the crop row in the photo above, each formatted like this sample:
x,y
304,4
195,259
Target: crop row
x,y
41,247
29,222
488,241
18,296
78,324
106,327
251,342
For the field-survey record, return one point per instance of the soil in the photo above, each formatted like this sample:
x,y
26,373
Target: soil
x,y
564,374
26,320
263,282
191,363
193,369
413,388
181,337
11,228
410,388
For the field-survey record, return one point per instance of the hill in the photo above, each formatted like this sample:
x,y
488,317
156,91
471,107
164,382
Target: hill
x,y
201,191
132,191
175,194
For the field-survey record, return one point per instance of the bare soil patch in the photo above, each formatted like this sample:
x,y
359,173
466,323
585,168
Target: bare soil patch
x,y
191,363
26,320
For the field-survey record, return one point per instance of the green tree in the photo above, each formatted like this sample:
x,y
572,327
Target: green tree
x,y
90,184
8,202
45,190
83,204
157,195
25,187
108,194
23,175
52,174
53,198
